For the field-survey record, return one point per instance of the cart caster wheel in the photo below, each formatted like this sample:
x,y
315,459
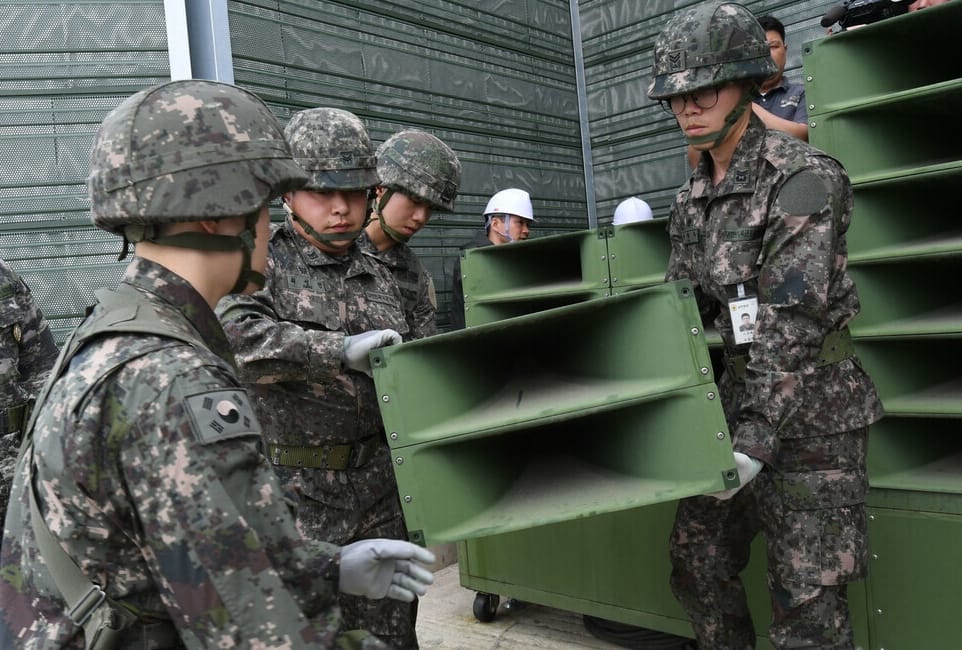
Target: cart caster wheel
x,y
486,606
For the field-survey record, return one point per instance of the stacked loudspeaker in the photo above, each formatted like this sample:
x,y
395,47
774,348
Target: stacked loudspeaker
x,y
602,405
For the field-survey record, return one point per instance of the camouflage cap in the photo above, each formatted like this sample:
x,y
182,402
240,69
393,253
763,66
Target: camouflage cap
x,y
706,45
187,150
420,165
333,147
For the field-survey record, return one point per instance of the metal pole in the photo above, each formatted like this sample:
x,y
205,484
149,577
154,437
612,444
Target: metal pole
x,y
198,40
583,113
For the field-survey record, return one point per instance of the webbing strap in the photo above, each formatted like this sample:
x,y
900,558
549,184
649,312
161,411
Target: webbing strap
x,y
836,347
336,457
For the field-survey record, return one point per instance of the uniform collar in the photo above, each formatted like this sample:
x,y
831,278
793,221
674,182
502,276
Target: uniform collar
x,y
743,170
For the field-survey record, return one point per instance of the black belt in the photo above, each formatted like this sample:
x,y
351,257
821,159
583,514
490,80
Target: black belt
x,y
336,457
836,347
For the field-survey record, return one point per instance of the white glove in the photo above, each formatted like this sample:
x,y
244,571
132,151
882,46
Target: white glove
x,y
385,567
748,468
357,347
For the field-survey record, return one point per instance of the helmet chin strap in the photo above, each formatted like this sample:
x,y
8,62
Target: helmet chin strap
x,y
715,137
388,230
204,241
327,238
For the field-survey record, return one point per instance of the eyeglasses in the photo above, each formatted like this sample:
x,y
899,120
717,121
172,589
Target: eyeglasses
x,y
703,99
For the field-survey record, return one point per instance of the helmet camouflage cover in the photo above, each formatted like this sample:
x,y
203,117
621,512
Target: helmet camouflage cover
x,y
707,45
333,147
420,165
187,150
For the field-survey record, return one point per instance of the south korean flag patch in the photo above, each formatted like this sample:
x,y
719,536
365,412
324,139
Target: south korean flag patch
x,y
221,415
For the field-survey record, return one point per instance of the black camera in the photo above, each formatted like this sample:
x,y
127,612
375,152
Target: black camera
x,y
863,12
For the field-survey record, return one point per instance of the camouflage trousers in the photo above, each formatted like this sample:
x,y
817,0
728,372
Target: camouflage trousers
x,y
814,524
341,507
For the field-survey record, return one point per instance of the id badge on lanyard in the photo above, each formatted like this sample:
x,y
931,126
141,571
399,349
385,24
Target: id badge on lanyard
x,y
743,310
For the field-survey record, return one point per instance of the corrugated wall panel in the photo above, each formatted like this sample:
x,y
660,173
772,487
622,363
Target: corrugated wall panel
x,y
494,80
63,66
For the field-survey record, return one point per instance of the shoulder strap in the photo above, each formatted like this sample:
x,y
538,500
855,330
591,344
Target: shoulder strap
x,y
87,603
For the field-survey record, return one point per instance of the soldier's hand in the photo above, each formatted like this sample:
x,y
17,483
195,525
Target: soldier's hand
x,y
391,568
748,468
357,347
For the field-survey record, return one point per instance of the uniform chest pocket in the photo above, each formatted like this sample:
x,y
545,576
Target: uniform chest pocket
x,y
302,302
379,310
737,256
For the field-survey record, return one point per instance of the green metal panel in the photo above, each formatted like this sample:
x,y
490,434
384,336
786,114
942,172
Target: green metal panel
x,y
914,591
911,217
920,454
638,253
517,424
882,110
906,119
613,566
861,66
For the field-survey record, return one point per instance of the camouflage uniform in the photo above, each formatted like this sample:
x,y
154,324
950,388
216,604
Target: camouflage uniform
x,y
146,460
777,224
27,351
413,282
165,512
796,397
288,339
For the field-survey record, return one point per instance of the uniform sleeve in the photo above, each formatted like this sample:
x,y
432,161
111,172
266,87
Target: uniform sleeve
x,y
219,539
270,350
679,266
423,321
801,256
38,351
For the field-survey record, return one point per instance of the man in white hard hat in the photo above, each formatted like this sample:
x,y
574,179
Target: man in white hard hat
x,y
631,210
507,218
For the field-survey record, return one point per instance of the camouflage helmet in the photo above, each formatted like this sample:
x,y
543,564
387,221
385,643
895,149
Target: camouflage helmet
x,y
333,147
420,165
707,45
187,150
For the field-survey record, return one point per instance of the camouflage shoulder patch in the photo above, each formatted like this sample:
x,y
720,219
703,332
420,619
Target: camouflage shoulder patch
x,y
802,193
220,415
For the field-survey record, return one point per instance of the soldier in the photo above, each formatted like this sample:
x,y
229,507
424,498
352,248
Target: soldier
x,y
760,227
418,174
144,513
27,351
302,345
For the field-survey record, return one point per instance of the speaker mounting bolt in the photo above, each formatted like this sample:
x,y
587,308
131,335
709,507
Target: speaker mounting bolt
x,y
385,398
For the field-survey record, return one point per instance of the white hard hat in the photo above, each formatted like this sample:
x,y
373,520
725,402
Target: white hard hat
x,y
630,210
511,201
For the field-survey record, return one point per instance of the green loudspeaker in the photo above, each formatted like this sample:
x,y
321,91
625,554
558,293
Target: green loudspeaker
x,y
595,407
529,276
